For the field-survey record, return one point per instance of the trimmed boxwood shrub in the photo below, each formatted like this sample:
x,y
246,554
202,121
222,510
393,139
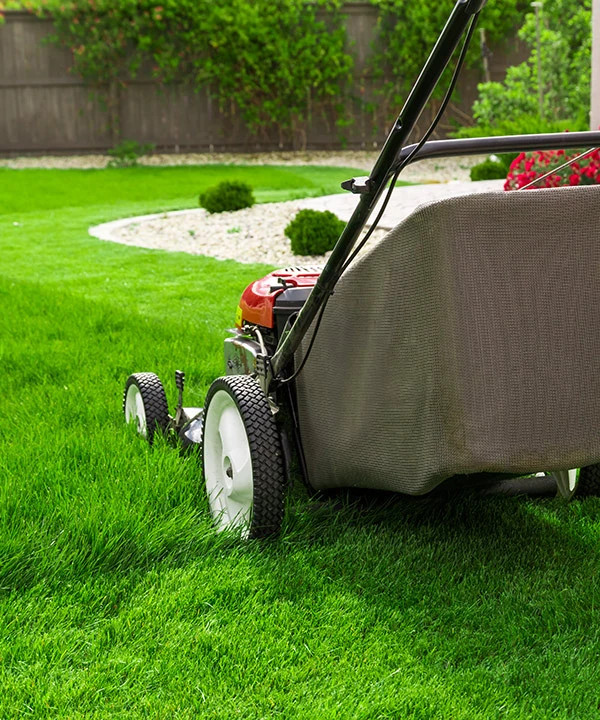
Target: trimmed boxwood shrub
x,y
488,170
227,196
314,232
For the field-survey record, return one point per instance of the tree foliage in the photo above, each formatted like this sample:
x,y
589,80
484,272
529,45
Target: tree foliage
x,y
565,50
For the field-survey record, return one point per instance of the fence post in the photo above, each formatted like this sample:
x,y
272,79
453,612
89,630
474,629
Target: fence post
x,y
114,111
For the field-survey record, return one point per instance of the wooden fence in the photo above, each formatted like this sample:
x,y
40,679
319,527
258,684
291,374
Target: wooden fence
x,y
45,108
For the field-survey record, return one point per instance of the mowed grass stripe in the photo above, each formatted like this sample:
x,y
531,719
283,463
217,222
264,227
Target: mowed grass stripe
x,y
33,190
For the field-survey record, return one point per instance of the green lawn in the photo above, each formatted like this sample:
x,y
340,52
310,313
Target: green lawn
x,y
117,600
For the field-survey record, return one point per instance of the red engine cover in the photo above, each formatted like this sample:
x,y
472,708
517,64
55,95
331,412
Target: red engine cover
x,y
256,305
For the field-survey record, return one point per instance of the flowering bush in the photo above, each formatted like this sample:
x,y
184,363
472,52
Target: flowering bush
x,y
527,167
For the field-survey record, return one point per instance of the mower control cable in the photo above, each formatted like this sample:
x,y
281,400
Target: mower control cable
x,y
254,330
406,161
310,346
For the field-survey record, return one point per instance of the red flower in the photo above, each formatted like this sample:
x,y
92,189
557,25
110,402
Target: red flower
x,y
528,167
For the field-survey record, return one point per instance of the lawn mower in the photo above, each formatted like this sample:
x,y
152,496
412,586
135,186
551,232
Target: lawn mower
x,y
465,343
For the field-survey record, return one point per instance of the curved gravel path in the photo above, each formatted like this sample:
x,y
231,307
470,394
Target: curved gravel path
x,y
253,235
256,235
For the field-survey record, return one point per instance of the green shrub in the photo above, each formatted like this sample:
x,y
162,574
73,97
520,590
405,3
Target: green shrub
x,y
313,232
488,170
227,196
127,153
507,160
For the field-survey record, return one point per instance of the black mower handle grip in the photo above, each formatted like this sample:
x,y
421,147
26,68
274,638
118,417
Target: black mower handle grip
x,y
473,6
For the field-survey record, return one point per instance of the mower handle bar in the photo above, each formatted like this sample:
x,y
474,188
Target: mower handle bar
x,y
498,144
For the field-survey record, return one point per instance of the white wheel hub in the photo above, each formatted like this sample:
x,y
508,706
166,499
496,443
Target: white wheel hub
x,y
228,465
134,409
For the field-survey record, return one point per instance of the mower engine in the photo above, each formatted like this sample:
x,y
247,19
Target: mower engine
x,y
266,308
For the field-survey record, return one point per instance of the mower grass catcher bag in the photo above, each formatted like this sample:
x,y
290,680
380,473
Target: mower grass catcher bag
x,y
467,340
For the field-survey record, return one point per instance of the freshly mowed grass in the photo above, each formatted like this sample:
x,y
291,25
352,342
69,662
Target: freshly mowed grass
x,y
117,600
160,187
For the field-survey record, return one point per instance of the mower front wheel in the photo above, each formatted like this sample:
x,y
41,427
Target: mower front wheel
x,y
145,404
242,458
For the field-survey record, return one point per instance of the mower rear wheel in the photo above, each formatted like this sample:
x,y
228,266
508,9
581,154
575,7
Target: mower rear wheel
x,y
589,481
145,403
242,458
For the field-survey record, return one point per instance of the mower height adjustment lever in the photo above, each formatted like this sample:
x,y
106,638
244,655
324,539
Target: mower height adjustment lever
x,y
263,365
179,384
358,186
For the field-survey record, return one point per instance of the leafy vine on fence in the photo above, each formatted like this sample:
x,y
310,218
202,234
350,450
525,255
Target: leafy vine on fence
x,y
408,31
276,62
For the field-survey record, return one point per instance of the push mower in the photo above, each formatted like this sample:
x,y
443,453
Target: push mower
x,y
465,343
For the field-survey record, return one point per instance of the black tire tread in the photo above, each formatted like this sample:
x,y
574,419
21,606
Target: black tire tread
x,y
589,481
265,451
155,401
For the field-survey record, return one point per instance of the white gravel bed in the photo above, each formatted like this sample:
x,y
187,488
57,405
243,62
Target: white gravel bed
x,y
253,235
433,170
256,235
